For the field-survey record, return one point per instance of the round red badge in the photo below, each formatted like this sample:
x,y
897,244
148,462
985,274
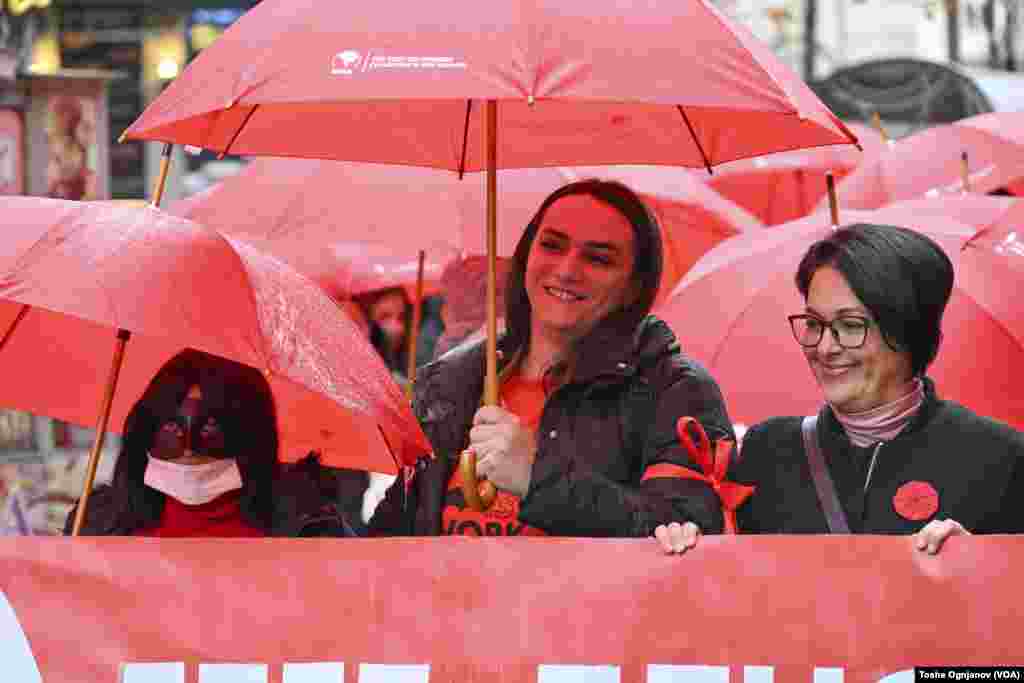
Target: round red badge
x,y
916,501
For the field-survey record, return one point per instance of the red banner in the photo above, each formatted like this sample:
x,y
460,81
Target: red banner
x,y
737,610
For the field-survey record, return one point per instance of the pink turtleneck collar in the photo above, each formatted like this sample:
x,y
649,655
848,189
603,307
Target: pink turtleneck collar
x,y
885,421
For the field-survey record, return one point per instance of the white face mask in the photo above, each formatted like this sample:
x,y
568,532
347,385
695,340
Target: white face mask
x,y
193,484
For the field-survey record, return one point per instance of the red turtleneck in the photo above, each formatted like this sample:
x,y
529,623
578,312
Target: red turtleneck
x,y
220,518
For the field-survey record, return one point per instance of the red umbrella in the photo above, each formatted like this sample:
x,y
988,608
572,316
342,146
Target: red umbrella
x,y
1005,235
356,227
786,186
979,211
999,221
76,276
742,291
669,82
930,163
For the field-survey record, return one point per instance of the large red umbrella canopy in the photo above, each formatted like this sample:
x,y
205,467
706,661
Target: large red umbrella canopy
x,y
1006,126
668,82
779,188
928,163
729,312
79,272
999,221
355,227
976,210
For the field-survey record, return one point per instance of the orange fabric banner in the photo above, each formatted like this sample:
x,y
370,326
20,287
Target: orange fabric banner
x,y
735,610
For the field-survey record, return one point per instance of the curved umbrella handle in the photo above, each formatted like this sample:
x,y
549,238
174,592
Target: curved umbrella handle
x,y
479,494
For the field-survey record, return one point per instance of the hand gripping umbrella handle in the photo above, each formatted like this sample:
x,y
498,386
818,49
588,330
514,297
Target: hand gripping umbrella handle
x,y
479,494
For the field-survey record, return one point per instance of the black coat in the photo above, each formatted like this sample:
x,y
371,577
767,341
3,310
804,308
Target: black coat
x,y
972,462
596,437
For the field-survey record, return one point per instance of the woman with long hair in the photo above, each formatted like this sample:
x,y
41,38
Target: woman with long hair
x,y
199,457
591,389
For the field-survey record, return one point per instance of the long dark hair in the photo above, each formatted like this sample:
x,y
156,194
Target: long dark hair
x,y
245,407
647,264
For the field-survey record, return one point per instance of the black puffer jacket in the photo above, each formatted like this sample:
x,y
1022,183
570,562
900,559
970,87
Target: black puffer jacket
x,y
596,437
973,466
304,505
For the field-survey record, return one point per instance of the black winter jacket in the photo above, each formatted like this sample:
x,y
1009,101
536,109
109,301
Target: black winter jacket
x,y
973,463
596,437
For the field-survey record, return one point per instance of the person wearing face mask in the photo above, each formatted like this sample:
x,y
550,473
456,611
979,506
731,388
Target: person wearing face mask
x,y
199,458
584,441
388,312
885,454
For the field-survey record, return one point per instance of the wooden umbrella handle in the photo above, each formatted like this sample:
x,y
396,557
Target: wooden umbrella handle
x,y
101,430
480,495
414,330
833,202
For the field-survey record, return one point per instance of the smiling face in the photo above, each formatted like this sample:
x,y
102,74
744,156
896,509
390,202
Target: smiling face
x,y
853,380
579,267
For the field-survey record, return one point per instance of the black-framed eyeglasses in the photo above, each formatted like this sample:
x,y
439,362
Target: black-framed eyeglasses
x,y
849,331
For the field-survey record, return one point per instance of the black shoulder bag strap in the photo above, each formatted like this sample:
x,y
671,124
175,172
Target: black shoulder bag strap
x,y
823,483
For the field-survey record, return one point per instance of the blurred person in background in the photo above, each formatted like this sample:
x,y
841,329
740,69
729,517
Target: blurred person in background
x,y
464,310
388,313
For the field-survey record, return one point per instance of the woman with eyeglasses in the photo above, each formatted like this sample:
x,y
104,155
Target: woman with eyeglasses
x,y
885,454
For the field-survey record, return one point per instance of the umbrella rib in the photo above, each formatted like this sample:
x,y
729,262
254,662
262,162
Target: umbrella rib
x,y
693,134
251,290
391,451
14,324
465,139
238,131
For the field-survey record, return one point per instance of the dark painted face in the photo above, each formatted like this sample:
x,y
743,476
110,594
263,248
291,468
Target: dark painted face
x,y
194,432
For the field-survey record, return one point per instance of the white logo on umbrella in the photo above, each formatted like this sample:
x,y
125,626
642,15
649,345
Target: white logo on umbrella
x,y
347,62
344,61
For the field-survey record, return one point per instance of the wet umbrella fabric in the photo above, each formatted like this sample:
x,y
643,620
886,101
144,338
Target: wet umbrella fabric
x,y
72,274
742,291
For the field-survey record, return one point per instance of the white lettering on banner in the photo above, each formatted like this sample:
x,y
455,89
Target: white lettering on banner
x,y
394,673
905,676
576,673
153,672
828,675
19,664
334,672
758,674
314,672
663,673
233,673
15,654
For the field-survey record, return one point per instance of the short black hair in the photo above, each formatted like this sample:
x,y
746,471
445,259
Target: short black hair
x,y
901,276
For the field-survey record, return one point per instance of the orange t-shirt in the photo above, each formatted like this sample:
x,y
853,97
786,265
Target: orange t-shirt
x,y
525,399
